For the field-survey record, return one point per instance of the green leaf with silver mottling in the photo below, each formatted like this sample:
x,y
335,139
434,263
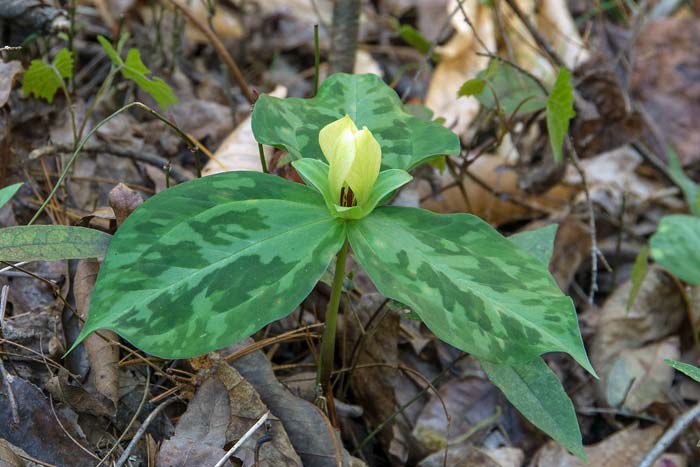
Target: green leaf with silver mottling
x,y
676,246
533,388
539,242
471,286
293,124
8,192
209,262
639,272
560,110
51,243
688,370
315,174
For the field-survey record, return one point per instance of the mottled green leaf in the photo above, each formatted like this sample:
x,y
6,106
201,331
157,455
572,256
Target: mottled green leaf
x,y
515,90
676,246
471,286
209,262
471,87
43,79
134,69
688,370
691,193
51,243
533,388
293,124
560,110
539,242
8,192
639,272
419,111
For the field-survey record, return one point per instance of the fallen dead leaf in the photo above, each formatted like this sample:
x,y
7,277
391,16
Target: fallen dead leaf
x,y
468,400
310,432
102,355
374,386
39,433
123,201
468,456
625,346
665,82
239,151
223,409
8,74
624,448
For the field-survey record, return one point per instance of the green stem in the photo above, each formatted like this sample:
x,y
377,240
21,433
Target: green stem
x,y
263,162
325,360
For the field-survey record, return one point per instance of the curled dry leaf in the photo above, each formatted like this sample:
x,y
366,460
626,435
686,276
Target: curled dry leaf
x,y
626,350
77,397
123,201
624,448
374,385
310,432
239,151
221,412
8,74
102,355
200,434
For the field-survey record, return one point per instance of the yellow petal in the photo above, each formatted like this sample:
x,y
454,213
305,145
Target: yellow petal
x,y
366,164
330,135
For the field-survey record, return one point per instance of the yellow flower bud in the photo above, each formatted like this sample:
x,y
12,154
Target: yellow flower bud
x,y
354,158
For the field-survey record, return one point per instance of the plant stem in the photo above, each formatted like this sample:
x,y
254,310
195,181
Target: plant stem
x,y
325,359
263,162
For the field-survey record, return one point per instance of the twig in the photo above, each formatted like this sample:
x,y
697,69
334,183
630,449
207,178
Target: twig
x,y
535,33
671,434
317,59
220,50
60,424
471,25
147,157
243,439
591,219
133,419
142,429
266,438
6,377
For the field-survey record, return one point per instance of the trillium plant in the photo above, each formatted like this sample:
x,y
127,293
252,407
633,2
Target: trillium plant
x,y
209,262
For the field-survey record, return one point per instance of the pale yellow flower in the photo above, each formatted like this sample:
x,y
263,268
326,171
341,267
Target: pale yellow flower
x,y
354,158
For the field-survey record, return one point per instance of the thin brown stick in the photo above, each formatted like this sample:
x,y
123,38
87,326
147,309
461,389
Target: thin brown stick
x,y
671,434
6,377
551,53
142,430
220,50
